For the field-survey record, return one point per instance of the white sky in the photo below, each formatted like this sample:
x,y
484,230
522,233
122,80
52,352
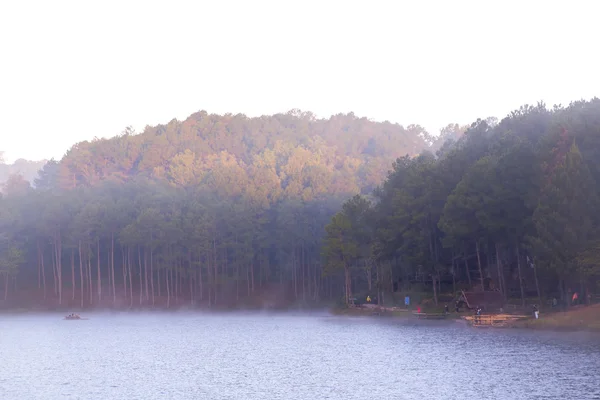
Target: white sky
x,y
72,70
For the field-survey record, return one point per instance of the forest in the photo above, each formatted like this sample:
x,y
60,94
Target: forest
x,y
27,169
223,211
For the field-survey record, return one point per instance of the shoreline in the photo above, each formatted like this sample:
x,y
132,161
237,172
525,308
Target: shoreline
x,y
576,319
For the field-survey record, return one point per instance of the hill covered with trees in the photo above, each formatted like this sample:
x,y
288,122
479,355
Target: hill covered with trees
x,y
511,207
214,210
223,211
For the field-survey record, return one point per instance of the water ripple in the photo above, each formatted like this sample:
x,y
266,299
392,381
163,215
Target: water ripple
x,y
257,356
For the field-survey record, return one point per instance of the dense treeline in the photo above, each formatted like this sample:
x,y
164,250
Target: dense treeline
x,y
217,211
211,211
510,206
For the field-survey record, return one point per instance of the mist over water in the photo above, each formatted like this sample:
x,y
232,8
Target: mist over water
x,y
286,356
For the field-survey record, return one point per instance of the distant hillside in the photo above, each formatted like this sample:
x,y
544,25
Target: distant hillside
x,y
29,169
284,155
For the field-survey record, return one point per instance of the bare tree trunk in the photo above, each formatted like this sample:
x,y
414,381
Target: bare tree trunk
x,y
248,280
209,278
81,274
146,274
168,289
200,276
158,283
152,274
468,273
520,276
124,266
43,271
537,283
191,282
499,267
58,253
177,274
112,265
348,284
89,266
216,273
435,292
73,274
39,265
54,268
237,281
479,265
369,274
99,275
5,287
303,271
192,278
252,276
141,275
453,276
130,277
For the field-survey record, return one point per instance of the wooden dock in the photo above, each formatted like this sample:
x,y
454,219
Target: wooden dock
x,y
422,315
493,320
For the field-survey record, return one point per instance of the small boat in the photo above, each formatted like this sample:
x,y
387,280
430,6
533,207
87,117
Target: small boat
x,y
72,317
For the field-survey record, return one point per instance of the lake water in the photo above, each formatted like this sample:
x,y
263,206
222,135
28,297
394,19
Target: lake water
x,y
270,357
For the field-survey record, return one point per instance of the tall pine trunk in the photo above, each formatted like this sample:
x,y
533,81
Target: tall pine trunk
x,y
168,288
73,274
43,270
479,265
99,275
141,275
89,266
58,264
501,286
520,276
152,274
435,292
112,265
130,277
81,274
348,283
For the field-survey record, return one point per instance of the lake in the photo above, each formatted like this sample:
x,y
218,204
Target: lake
x,y
286,356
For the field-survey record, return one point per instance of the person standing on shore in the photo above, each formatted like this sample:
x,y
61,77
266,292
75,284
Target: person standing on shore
x,y
536,311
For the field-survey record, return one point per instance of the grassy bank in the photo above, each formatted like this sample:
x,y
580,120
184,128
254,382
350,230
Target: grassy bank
x,y
580,318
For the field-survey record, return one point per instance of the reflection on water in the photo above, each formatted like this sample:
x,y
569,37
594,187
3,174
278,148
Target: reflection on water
x,y
270,357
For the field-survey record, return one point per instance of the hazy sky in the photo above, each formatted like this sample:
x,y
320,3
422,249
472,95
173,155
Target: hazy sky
x,y
72,70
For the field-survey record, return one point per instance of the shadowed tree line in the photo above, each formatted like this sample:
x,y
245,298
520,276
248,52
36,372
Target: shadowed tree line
x,y
509,206
214,211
